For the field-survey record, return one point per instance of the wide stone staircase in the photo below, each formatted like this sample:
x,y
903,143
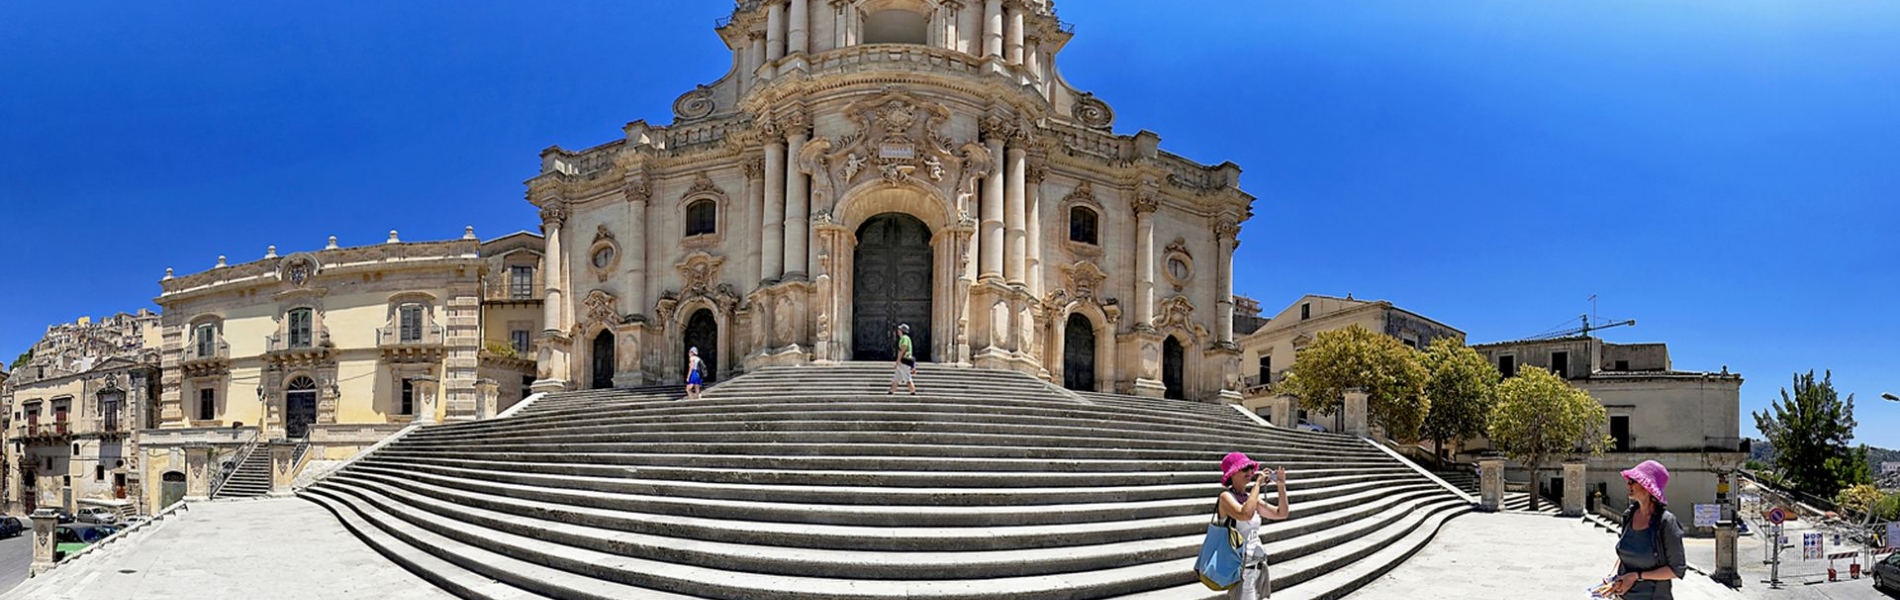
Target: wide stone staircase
x,y
810,482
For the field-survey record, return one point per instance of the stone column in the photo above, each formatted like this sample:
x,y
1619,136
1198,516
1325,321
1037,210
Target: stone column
x,y
992,243
797,209
553,360
774,31
1014,27
1491,484
1280,412
1145,204
425,387
772,229
1015,216
1725,536
197,471
1356,413
283,471
993,34
1034,201
801,19
44,522
487,394
1225,231
1574,472
755,201
634,252
756,56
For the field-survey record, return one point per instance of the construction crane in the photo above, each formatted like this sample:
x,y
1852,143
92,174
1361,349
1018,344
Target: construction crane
x,y
1585,329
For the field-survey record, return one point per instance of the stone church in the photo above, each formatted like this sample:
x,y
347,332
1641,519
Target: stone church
x,y
867,163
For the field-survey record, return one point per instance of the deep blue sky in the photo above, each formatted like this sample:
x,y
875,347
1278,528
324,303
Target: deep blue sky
x,y
1723,171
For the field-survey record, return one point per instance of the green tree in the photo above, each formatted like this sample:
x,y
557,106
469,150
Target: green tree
x,y
24,358
1463,389
1540,416
1355,357
1811,429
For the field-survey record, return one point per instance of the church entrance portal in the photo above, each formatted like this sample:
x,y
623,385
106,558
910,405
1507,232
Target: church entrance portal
x,y
702,332
603,360
1078,354
891,284
1171,358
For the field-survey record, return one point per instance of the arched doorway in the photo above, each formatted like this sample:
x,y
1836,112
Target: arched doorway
x,y
702,332
1172,355
171,489
603,355
300,406
891,283
1078,353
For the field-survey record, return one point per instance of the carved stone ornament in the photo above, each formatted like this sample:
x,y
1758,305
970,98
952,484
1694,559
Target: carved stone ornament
x,y
1225,228
1146,201
703,185
1178,264
553,216
699,271
600,308
636,189
1084,278
1093,113
1177,312
298,269
785,319
603,255
898,138
696,104
1084,192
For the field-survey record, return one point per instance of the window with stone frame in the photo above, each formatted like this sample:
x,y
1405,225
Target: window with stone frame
x,y
409,322
521,282
207,404
299,329
1084,226
521,340
206,340
702,217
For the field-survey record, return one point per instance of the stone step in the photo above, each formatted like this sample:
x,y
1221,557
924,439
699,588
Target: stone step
x,y
1042,512
883,478
893,446
951,409
852,563
867,419
1315,515
846,495
822,462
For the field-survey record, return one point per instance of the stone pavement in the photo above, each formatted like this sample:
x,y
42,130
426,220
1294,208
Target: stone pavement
x,y
1515,556
16,558
278,548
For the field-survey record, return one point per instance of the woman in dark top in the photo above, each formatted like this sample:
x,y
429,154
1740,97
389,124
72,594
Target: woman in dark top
x,y
1649,554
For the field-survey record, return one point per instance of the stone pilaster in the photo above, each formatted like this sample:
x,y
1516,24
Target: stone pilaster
x,y
44,522
1574,472
1491,484
1357,413
283,469
1280,412
487,394
197,471
425,390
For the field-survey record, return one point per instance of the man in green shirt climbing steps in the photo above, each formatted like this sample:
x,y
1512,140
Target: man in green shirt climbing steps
x,y
906,365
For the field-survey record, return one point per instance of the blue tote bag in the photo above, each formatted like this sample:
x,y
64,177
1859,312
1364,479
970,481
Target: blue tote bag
x,y
1219,564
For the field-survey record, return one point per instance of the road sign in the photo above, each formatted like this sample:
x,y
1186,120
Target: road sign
x,y
1813,546
1777,516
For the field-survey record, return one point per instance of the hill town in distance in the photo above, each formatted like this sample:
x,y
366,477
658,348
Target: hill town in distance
x,y
891,309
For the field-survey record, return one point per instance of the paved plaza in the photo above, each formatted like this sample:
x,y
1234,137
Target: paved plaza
x,y
280,548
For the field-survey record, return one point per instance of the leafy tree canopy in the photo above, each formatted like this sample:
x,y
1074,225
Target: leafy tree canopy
x,y
1811,429
1463,388
1392,375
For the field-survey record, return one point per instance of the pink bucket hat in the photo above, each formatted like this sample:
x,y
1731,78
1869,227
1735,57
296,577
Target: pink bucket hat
x,y
1652,476
1233,463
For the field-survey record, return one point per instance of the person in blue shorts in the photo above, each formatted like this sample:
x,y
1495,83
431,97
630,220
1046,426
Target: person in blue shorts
x,y
694,367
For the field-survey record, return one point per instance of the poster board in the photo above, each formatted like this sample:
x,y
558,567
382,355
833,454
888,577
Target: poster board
x,y
1812,546
1706,515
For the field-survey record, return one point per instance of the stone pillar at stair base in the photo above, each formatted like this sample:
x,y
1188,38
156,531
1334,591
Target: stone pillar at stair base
x,y
1491,484
44,523
425,387
1356,413
487,393
282,466
1574,471
197,471
1280,412
1725,538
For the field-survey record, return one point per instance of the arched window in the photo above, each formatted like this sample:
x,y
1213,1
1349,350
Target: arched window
x,y
702,217
1082,226
896,27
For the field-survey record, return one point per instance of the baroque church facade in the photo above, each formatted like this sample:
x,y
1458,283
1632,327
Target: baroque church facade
x,y
873,162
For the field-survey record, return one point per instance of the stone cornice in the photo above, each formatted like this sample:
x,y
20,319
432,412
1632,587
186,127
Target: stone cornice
x,y
379,257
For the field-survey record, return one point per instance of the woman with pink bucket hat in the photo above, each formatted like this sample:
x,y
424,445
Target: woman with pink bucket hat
x,y
1649,553
1242,505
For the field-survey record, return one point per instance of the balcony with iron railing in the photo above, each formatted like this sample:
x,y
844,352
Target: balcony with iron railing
x,y
34,429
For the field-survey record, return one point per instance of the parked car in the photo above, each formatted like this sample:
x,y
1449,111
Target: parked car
x,y
68,539
1887,573
98,514
62,517
11,526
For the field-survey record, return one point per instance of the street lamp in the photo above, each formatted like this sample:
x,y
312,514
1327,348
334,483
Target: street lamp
x,y
1890,396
